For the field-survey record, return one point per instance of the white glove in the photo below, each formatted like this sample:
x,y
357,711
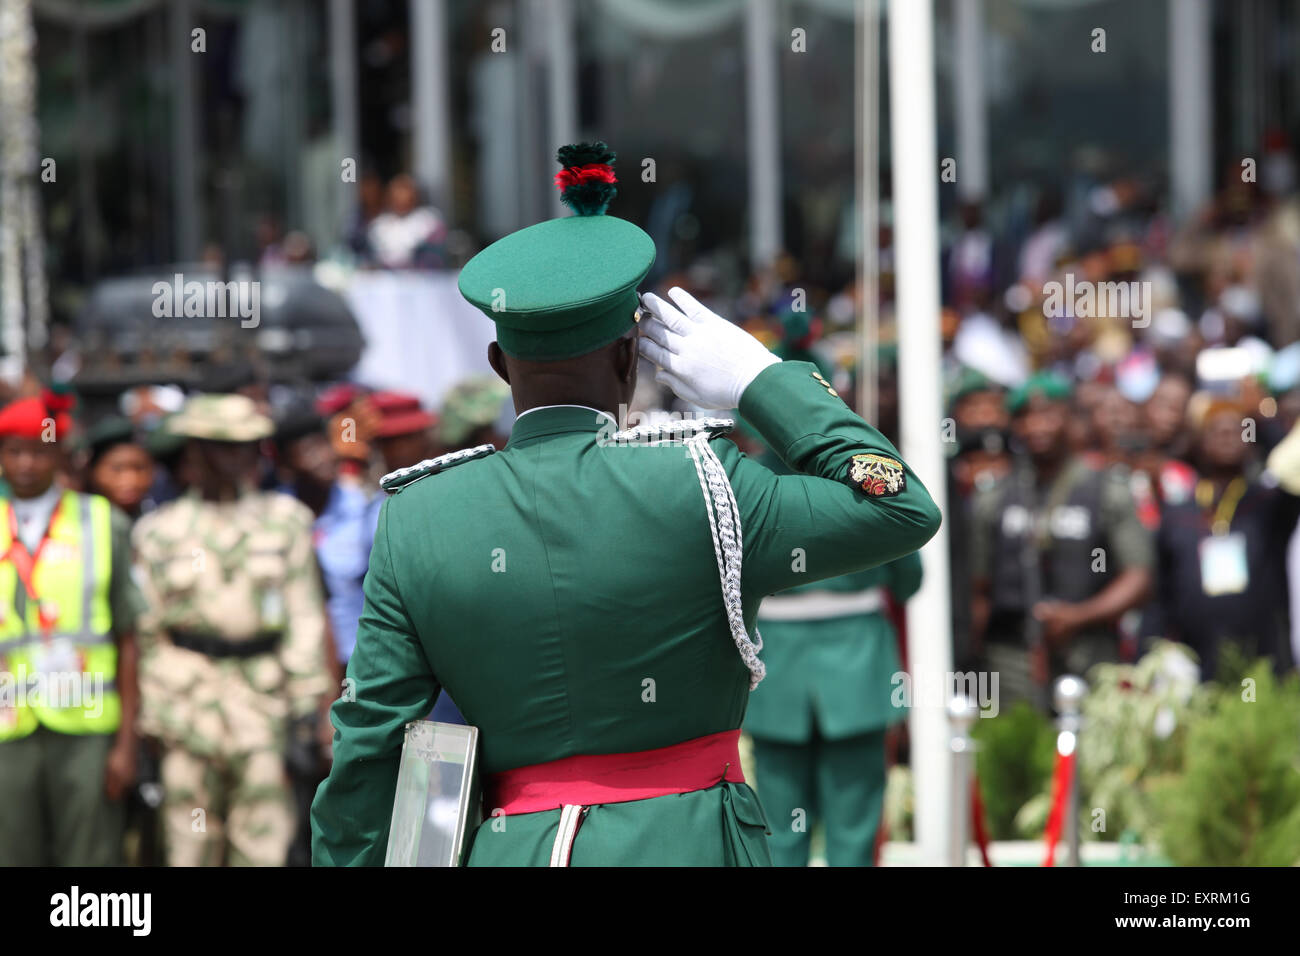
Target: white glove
x,y
702,357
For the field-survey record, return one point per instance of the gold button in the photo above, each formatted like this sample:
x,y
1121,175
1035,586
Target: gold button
x,y
832,391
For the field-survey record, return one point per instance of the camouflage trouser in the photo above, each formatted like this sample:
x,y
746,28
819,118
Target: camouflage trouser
x,y
235,810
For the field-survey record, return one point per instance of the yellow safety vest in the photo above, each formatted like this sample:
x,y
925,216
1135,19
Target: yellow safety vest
x,y
71,576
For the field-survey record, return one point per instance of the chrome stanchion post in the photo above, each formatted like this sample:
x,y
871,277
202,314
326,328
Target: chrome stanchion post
x,y
961,716
1068,695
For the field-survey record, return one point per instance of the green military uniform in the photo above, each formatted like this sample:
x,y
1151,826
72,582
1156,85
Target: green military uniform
x,y
544,585
819,718
232,649
1088,531
566,590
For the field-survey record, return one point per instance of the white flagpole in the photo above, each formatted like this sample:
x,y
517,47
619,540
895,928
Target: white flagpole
x,y
916,232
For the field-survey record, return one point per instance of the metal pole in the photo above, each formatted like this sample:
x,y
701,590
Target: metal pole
x,y
1069,693
763,123
868,142
343,97
529,37
562,83
294,19
1191,148
185,135
431,110
916,231
961,715
86,188
968,94
18,165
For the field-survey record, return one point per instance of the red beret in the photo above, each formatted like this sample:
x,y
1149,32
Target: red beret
x,y
336,398
400,414
28,418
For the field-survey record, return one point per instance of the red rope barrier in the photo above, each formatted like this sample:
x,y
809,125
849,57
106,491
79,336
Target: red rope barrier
x,y
977,816
1062,778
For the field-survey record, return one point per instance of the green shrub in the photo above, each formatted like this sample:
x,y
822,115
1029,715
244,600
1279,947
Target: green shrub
x,y
1136,719
1237,802
1014,761
1136,723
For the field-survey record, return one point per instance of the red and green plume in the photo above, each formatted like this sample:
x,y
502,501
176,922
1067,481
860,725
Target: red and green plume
x,y
586,182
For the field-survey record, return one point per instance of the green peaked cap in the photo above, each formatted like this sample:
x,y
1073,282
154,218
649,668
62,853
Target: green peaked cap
x,y
566,286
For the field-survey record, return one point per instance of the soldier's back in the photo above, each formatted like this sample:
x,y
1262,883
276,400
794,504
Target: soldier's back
x,y
566,593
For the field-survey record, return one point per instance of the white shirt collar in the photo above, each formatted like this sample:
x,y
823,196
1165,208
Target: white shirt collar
x,y
33,515
596,411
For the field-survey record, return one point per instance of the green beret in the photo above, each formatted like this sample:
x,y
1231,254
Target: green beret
x,y
1049,385
566,286
107,432
967,381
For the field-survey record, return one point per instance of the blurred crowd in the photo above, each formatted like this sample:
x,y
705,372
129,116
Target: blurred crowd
x,y
1122,398
1126,471
198,563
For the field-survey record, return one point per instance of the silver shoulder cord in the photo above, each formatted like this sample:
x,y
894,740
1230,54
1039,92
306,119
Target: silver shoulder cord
x,y
728,546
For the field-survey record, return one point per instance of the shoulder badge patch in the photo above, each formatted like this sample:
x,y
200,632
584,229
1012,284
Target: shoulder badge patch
x,y
395,481
876,475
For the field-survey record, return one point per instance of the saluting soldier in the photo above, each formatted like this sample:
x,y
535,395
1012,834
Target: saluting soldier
x,y
232,643
580,593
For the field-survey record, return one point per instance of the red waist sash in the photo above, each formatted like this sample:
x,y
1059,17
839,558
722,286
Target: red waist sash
x,y
585,780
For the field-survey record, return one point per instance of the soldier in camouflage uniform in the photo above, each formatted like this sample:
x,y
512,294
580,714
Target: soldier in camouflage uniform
x,y
1058,553
473,412
233,654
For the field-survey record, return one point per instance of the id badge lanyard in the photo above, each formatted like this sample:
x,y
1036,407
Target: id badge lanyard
x,y
25,565
1227,506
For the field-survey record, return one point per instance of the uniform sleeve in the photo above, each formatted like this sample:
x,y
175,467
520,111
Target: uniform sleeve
x,y
818,523
302,652
124,597
905,577
389,683
1131,544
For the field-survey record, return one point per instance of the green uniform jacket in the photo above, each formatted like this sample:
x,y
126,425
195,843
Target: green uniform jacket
x,y
835,675
565,592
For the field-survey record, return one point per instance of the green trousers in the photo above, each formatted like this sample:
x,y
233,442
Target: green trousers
x,y
53,809
840,782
